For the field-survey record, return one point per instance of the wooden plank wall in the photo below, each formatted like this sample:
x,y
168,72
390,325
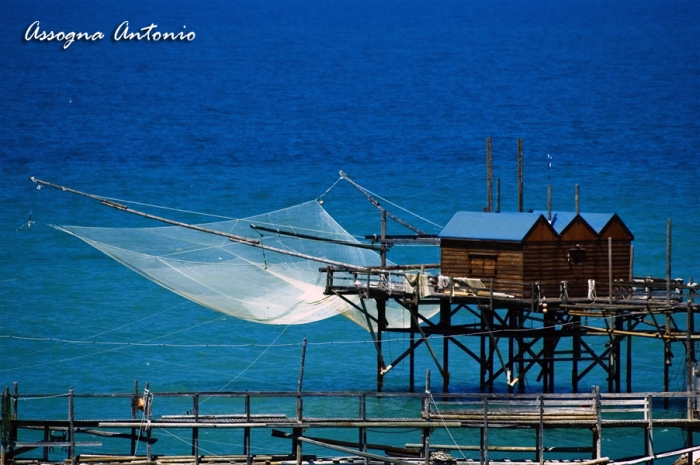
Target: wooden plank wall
x,y
455,258
543,262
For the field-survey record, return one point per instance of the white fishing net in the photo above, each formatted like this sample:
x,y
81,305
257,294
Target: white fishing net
x,y
248,282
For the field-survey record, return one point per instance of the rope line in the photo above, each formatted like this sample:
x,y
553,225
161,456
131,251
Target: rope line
x,y
267,346
400,207
444,425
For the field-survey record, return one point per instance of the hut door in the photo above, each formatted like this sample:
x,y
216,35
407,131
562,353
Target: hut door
x,y
482,265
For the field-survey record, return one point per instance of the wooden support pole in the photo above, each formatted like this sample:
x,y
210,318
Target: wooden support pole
x,y
511,316
446,325
485,434
195,430
548,353
611,355
71,429
301,374
296,445
134,409
521,345
412,363
629,356
382,253
540,431
246,433
426,431
598,432
631,276
520,175
300,405
15,415
498,195
489,176
492,343
617,355
668,261
381,326
362,440
47,438
690,354
4,421
649,431
610,272
148,410
482,355
668,360
576,349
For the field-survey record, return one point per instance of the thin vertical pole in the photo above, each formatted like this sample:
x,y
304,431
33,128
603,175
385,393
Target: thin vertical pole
x,y
363,431
620,326
549,202
148,410
521,362
690,352
629,357
649,430
610,275
510,315
667,360
301,365
631,263
577,199
668,261
598,435
412,363
382,254
47,438
576,342
381,308
134,409
485,434
540,432
498,195
15,405
426,431
489,176
300,406
446,324
381,325
5,420
71,429
195,430
520,175
483,359
246,433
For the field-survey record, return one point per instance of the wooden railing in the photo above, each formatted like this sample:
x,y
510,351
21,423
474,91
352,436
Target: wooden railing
x,y
297,412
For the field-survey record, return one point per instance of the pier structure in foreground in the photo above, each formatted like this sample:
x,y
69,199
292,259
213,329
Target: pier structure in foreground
x,y
449,428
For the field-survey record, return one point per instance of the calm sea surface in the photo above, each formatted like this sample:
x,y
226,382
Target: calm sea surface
x,y
263,108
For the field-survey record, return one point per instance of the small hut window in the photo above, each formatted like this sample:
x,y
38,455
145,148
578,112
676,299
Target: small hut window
x,y
482,265
577,255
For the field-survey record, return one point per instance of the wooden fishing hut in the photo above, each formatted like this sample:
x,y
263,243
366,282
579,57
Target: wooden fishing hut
x,y
537,290
578,249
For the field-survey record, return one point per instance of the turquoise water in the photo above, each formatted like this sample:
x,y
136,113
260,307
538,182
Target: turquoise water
x,y
261,110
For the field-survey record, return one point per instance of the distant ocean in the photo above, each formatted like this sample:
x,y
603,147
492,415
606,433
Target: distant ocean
x,y
263,108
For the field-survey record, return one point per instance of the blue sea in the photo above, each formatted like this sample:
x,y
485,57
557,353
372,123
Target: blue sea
x,y
263,108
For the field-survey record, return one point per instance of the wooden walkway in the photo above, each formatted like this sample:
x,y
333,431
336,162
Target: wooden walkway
x,y
596,414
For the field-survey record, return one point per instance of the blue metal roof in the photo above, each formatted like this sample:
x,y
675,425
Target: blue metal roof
x,y
489,226
561,220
